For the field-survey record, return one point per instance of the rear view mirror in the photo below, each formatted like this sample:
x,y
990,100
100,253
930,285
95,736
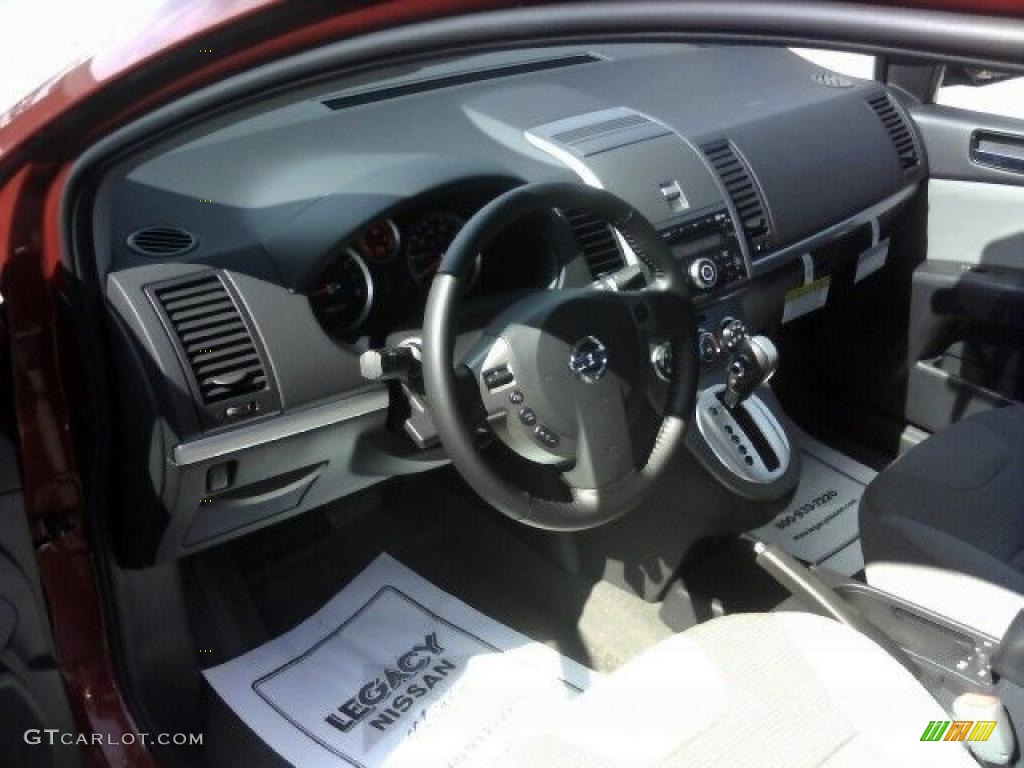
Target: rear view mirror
x,y
975,76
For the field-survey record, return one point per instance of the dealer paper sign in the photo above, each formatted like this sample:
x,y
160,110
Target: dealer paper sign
x,y
394,672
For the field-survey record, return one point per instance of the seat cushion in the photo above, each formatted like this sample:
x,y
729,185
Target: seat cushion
x,y
781,690
955,502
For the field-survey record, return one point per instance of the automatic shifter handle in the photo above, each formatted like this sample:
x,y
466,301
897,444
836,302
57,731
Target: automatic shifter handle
x,y
753,364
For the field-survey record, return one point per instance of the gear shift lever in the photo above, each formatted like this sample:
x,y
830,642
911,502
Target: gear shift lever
x,y
753,364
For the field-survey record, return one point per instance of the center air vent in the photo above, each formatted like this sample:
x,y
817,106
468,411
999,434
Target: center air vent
x,y
597,241
899,132
227,371
739,183
160,242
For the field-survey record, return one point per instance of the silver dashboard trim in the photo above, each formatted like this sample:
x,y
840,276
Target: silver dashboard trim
x,y
718,427
280,427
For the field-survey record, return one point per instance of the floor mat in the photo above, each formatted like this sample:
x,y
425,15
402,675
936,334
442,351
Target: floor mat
x,y
820,525
393,670
457,543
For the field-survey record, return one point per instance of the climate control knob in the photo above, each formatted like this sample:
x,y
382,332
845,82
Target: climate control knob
x,y
703,273
732,332
708,348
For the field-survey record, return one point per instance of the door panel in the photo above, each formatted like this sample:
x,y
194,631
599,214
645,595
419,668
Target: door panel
x,y
948,136
966,332
977,223
32,694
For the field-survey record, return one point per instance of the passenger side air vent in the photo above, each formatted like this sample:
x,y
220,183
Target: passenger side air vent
x,y
739,183
899,132
597,241
158,242
226,369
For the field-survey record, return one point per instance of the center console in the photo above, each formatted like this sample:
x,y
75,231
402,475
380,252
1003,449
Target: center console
x,y
710,211
974,677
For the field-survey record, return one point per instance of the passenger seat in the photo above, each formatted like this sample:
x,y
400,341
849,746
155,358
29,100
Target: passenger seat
x,y
946,521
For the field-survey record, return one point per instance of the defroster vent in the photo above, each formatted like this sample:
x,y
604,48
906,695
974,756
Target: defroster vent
x,y
228,373
597,241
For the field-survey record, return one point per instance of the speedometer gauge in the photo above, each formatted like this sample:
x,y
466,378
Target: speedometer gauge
x,y
379,242
342,297
428,240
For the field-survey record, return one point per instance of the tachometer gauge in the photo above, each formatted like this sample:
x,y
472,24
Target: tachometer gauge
x,y
379,242
343,295
428,240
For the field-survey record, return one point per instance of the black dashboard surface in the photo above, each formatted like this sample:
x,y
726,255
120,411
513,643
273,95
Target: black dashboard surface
x,y
273,192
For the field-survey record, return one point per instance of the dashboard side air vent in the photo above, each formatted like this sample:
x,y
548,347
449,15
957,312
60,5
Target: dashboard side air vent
x,y
597,241
744,192
160,242
895,125
226,368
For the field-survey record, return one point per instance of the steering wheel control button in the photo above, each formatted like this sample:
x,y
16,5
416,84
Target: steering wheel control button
x,y
588,360
515,397
528,417
708,348
704,273
498,377
546,437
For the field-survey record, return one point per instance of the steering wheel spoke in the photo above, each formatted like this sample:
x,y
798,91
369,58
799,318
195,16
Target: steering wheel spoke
x,y
487,370
604,451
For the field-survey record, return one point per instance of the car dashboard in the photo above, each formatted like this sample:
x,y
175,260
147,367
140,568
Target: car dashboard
x,y
250,261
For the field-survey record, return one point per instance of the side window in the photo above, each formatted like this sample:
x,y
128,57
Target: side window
x,y
849,64
982,90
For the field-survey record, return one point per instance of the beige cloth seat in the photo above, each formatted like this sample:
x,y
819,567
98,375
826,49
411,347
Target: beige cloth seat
x,y
782,690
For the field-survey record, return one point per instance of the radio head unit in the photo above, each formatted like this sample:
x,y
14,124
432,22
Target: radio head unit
x,y
708,250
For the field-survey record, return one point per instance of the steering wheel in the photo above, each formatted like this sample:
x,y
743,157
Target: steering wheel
x,y
596,387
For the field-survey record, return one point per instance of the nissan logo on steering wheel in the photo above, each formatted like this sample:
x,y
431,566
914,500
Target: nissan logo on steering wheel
x,y
588,360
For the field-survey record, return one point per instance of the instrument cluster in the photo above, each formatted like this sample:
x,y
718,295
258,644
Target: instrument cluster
x,y
382,274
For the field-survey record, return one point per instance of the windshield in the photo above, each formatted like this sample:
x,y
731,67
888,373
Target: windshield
x,y
40,38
